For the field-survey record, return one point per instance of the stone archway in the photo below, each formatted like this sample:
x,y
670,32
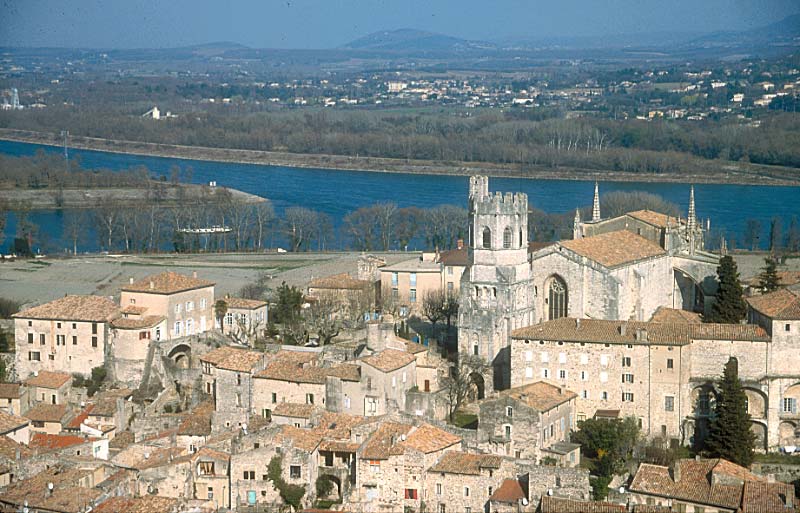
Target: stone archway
x,y
756,403
787,433
760,430
479,392
331,484
688,293
181,355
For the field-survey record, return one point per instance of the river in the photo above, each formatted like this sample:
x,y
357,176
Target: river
x,y
339,192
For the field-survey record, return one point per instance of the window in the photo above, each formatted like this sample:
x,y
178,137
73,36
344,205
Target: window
x,y
627,397
604,395
42,339
627,378
449,286
466,491
585,394
626,361
395,293
294,471
58,325
94,328
584,376
562,374
394,279
347,402
411,493
229,319
203,304
394,381
30,338
51,357
144,335
557,298
669,403
177,330
475,350
34,356
787,327
189,327
490,490
309,398
178,308
507,431
74,340
528,372
545,373
412,295
544,357
487,238
412,279
670,363
249,475
507,238
94,341
789,405
189,306
210,493
74,326
438,488
509,411
528,356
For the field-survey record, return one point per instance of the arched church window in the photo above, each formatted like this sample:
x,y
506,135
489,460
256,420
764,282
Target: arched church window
x,y
557,298
487,238
521,240
507,238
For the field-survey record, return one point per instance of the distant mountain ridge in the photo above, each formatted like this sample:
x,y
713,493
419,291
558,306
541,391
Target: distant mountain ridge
x,y
414,40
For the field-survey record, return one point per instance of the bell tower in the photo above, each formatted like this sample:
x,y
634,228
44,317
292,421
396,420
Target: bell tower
x,y
496,288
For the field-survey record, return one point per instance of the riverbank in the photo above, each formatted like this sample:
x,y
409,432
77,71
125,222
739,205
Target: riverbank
x,y
165,195
717,172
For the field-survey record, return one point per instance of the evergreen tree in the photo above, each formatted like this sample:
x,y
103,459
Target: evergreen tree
x,y
729,306
769,280
729,434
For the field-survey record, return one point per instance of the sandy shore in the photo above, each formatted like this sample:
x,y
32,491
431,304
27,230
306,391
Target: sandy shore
x,y
722,172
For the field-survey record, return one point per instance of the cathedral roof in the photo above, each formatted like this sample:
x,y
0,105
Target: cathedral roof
x,y
614,249
655,218
666,314
783,304
637,332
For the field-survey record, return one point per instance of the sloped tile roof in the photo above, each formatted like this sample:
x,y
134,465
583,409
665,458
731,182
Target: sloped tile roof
x,y
105,403
389,360
198,421
130,323
301,367
614,249
783,304
457,462
73,308
53,442
48,413
342,281
454,257
9,448
760,497
509,492
208,452
294,410
304,439
48,379
427,439
560,505
67,496
10,422
231,358
144,504
655,218
540,396
76,421
384,441
674,315
10,390
636,332
241,303
168,282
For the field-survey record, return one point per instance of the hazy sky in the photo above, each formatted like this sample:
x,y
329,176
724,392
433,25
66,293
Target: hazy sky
x,y
330,23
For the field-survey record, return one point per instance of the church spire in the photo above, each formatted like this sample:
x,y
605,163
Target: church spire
x,y
691,219
596,204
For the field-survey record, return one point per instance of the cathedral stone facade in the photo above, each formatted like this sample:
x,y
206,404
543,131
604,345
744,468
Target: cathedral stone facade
x,y
496,288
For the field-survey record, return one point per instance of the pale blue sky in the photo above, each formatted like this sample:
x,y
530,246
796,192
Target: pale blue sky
x,y
331,23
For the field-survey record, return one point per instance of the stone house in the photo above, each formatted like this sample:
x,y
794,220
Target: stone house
x,y
393,461
228,377
15,427
385,379
660,373
48,418
210,475
245,319
70,334
453,263
463,482
73,490
509,497
407,282
710,485
131,336
49,387
162,471
195,428
525,420
186,302
110,412
14,398
70,445
351,296
294,414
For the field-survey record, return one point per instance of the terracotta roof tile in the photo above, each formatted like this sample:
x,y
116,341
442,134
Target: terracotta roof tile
x,y
48,413
294,410
636,332
73,308
75,422
509,492
231,358
457,462
455,257
651,508
9,448
144,504
339,446
198,421
340,425
301,367
783,304
130,323
674,315
389,360
48,379
655,218
68,495
304,439
613,249
10,390
560,505
427,439
384,441
208,452
105,403
134,310
413,347
540,396
168,282
241,303
10,422
53,442
760,497
342,281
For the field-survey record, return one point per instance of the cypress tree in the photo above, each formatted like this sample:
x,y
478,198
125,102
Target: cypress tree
x,y
730,306
769,280
729,434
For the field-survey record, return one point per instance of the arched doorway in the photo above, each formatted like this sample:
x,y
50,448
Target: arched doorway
x,y
688,294
557,299
329,487
181,355
787,433
479,386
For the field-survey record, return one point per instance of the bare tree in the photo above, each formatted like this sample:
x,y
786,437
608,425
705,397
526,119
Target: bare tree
x,y
106,214
299,224
75,222
450,308
263,215
433,306
385,217
390,301
460,384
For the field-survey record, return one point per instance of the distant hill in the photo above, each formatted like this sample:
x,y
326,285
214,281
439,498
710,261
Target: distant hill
x,y
787,29
411,40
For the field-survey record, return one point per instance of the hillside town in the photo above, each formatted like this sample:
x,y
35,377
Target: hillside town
x,y
608,372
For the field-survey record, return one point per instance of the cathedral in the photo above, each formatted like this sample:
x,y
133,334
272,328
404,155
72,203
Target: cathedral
x,y
621,268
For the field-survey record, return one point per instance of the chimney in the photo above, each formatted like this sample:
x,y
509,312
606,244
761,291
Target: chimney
x,y
130,280
152,285
622,329
194,274
577,323
460,244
